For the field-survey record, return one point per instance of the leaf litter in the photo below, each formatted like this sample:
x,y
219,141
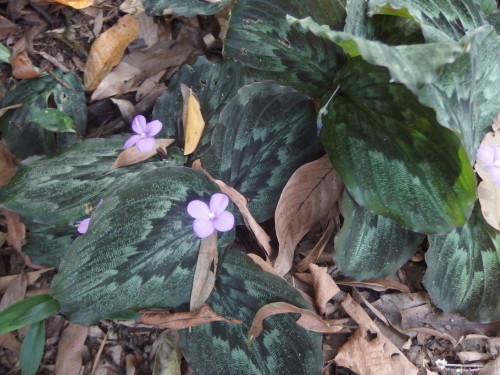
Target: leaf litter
x,y
392,323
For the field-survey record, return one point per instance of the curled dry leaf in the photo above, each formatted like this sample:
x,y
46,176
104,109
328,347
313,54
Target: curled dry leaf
x,y
108,50
241,202
77,4
488,192
22,67
204,274
7,164
317,250
70,349
192,120
133,156
324,286
308,320
181,320
265,265
309,196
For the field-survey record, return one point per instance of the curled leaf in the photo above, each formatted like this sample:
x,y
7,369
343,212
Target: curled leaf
x,y
324,286
22,68
133,156
7,164
192,120
204,276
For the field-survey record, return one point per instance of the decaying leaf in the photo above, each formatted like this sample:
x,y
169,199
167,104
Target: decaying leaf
x,y
69,350
22,68
308,320
204,274
168,356
240,202
77,4
317,250
133,156
324,286
192,120
308,197
368,351
108,49
266,266
181,320
7,164
16,230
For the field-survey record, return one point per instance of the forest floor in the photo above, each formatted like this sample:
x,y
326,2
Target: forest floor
x,y
395,315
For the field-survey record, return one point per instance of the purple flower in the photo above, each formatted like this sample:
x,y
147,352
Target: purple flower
x,y
489,155
211,216
144,139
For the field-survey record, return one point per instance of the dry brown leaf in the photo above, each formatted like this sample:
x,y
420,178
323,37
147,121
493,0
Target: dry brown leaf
x,y
241,202
77,4
126,108
379,285
324,286
108,50
433,332
204,274
267,267
181,320
133,156
491,368
466,357
308,320
6,27
9,341
487,191
317,250
132,6
16,230
309,196
69,350
15,292
22,67
8,164
192,120
368,351
32,277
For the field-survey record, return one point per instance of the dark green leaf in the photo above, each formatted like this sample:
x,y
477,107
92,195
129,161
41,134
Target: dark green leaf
x,y
186,8
264,134
55,189
25,137
139,251
393,156
413,65
440,20
369,245
283,347
214,84
260,37
488,6
31,352
463,270
12,312
53,120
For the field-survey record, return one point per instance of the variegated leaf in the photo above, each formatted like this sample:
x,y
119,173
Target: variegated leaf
x,y
186,8
282,348
139,251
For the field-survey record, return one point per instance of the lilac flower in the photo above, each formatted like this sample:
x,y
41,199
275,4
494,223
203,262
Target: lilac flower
x,y
489,155
144,139
83,225
211,216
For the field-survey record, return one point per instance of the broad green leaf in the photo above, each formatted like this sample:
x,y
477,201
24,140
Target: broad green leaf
x,y
440,20
466,97
488,6
25,137
494,20
260,37
31,352
393,156
140,249
413,65
55,189
53,120
13,312
283,347
186,8
264,134
5,54
369,245
213,83
463,270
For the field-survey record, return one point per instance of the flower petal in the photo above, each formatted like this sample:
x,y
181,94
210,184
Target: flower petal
x,y
494,173
146,145
153,128
486,155
83,226
139,124
218,203
203,227
132,141
198,210
224,221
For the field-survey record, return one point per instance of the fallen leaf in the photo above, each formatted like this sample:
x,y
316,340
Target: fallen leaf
x,y
126,108
263,264
9,341
15,292
487,191
32,277
241,202
192,120
77,4
466,357
181,320
379,285
168,356
204,274
70,349
16,230
324,286
22,67
308,320
368,351
491,368
132,6
108,49
309,196
133,156
8,164
433,332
